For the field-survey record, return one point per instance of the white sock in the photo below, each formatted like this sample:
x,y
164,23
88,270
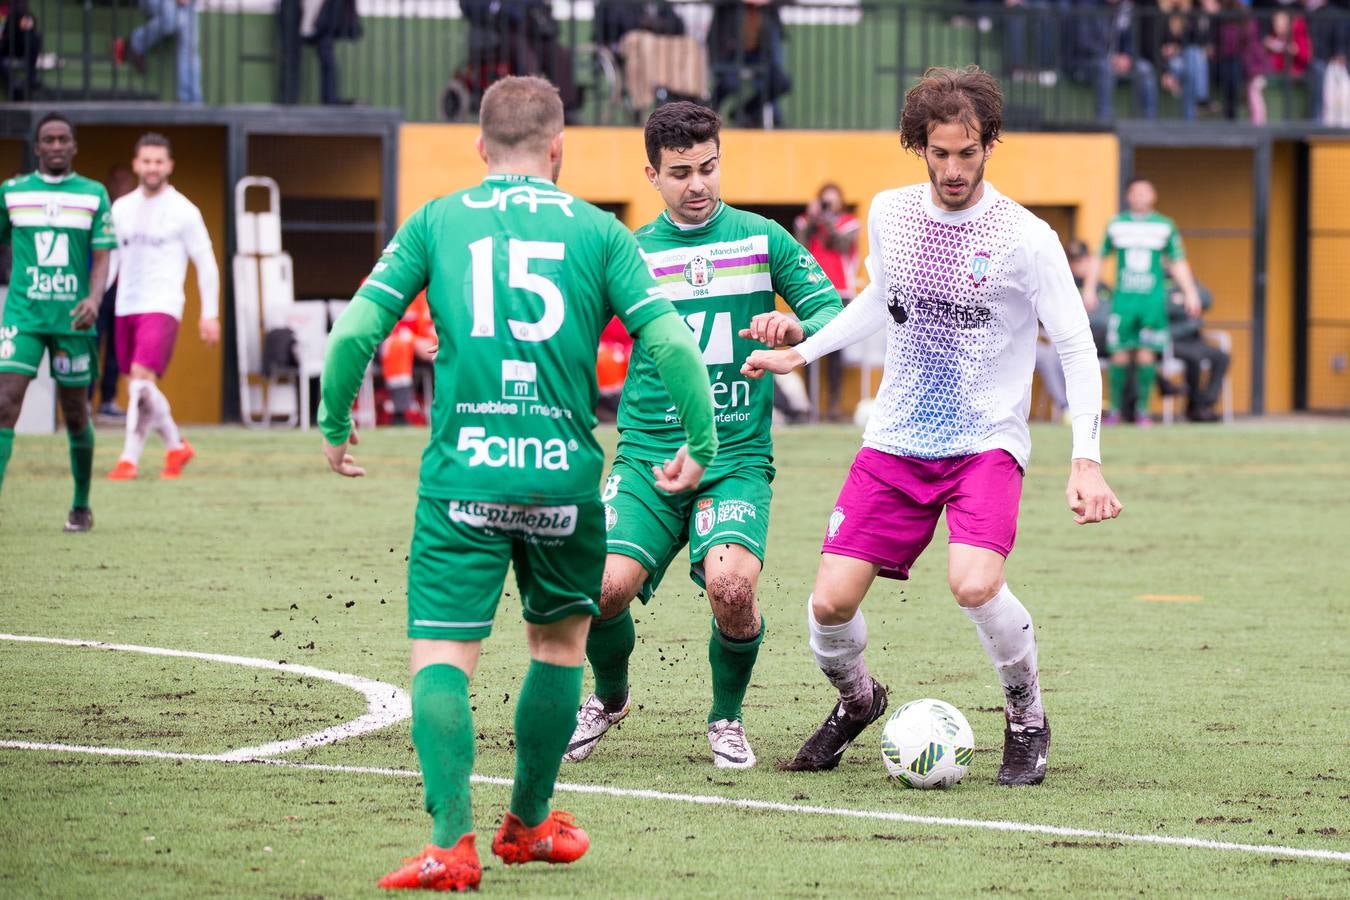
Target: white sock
x,y
838,650
140,416
166,427
1009,637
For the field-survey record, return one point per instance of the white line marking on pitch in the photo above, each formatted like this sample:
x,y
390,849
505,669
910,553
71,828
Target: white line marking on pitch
x,y
711,800
385,704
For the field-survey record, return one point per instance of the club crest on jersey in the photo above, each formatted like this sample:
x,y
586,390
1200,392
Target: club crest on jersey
x,y
52,208
979,266
698,271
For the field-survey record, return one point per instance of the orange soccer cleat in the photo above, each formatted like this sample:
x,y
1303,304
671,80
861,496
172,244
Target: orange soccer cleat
x,y
439,869
557,839
125,470
175,459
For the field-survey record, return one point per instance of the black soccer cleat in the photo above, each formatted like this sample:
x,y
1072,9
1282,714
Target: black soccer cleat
x,y
81,518
823,750
1024,755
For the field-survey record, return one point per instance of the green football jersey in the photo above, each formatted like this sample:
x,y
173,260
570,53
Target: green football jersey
x,y
720,275
521,277
53,226
1141,242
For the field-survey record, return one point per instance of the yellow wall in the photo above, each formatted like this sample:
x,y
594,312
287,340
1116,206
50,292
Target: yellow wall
x,y
1280,263
1329,271
604,165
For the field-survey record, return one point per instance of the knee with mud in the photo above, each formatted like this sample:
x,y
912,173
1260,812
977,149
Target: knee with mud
x,y
732,598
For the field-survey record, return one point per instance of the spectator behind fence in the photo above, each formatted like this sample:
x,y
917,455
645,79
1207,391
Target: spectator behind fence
x,y
659,61
1111,43
746,36
1188,35
168,18
1329,36
1030,39
320,23
20,47
1191,348
1238,55
520,37
831,233
1286,52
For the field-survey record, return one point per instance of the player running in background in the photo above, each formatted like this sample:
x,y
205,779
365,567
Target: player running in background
x,y
722,267
158,230
960,275
520,278
1148,247
58,225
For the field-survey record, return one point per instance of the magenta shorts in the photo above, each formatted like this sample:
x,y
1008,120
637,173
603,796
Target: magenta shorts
x,y
889,506
146,339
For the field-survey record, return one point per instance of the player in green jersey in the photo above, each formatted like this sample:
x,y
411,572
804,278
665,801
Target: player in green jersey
x,y
60,231
1148,247
520,278
722,267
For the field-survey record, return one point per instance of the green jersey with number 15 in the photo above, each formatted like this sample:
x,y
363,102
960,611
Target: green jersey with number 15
x,y
521,278
720,275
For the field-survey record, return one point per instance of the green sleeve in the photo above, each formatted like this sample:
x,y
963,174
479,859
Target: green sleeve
x,y
404,267
356,335
1174,249
798,279
633,294
677,357
102,233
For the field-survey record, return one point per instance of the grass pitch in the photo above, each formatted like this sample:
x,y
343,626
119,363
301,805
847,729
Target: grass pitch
x,y
1195,656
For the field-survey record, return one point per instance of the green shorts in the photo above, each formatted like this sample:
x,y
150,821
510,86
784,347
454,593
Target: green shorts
x,y
73,359
651,526
1137,323
460,551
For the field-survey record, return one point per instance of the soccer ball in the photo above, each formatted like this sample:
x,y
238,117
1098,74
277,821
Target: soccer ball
x,y
927,744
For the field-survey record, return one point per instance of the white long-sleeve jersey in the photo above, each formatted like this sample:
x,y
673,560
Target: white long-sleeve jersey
x,y
959,294
155,238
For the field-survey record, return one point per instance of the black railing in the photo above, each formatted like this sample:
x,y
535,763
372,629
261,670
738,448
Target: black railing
x,y
1062,63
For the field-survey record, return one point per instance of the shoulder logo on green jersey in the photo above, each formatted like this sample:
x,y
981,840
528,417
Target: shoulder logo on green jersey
x,y
698,271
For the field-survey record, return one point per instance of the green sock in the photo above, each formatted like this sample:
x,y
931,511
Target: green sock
x,y
546,714
82,462
608,648
1144,376
1117,375
442,732
732,662
6,447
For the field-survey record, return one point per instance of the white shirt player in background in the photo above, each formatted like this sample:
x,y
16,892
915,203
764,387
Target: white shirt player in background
x,y
960,276
158,230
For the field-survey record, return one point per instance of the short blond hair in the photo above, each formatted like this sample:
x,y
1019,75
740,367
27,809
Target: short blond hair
x,y
520,114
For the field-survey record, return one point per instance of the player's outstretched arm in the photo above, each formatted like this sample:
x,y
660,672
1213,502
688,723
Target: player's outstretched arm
x,y
779,362
1090,497
352,343
672,347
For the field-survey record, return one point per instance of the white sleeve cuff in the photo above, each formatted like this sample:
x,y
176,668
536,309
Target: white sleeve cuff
x,y
1083,388
862,317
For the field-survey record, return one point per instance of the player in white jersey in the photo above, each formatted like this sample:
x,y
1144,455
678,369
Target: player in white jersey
x,y
158,230
960,276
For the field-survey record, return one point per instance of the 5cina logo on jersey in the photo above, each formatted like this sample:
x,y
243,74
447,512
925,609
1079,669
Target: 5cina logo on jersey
x,y
513,452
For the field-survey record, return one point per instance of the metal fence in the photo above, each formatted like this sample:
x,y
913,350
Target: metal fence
x,y
1063,64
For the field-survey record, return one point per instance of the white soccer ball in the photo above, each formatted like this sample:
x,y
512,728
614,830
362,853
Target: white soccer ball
x,y
862,412
927,744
